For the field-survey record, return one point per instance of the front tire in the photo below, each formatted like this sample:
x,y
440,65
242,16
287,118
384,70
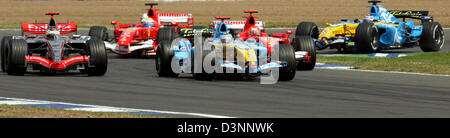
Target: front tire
x,y
16,57
163,60
367,37
4,45
305,43
432,38
98,59
286,53
99,32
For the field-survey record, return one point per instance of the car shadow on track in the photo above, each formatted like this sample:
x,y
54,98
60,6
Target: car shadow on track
x,y
215,79
403,51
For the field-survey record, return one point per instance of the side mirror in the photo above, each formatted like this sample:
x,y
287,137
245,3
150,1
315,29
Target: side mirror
x,y
114,22
135,36
289,32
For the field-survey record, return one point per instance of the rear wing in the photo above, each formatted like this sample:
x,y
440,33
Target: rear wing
x,y
174,17
420,15
238,24
40,28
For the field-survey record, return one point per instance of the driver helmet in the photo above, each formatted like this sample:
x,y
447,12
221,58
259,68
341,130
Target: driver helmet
x,y
52,31
147,22
254,31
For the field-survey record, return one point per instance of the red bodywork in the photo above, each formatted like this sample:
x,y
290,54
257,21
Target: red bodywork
x,y
40,28
57,65
250,26
127,35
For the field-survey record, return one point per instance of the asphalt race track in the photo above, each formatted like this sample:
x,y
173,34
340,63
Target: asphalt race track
x,y
133,83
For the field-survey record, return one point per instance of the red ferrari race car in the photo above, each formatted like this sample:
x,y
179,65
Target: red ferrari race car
x,y
43,47
141,39
305,52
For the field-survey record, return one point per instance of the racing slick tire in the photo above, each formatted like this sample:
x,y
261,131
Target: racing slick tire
x,y
432,38
17,51
308,29
5,43
99,32
163,60
204,53
98,59
166,34
367,37
305,43
286,53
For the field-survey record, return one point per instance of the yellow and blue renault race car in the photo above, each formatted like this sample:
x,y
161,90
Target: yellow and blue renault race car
x,y
380,30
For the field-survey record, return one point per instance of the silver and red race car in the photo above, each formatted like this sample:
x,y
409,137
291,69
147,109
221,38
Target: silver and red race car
x,y
141,39
48,48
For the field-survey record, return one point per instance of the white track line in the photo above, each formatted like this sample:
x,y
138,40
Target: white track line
x,y
394,72
97,108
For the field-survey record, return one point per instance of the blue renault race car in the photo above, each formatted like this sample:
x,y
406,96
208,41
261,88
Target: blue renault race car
x,y
207,53
380,30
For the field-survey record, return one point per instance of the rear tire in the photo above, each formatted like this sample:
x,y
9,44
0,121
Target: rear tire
x,y
166,34
432,38
286,53
99,32
305,43
98,58
367,37
163,60
16,57
4,45
307,29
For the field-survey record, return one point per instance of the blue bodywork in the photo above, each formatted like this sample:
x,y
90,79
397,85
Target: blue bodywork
x,y
184,49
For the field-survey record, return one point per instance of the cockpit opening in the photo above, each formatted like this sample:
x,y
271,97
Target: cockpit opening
x,y
373,10
251,20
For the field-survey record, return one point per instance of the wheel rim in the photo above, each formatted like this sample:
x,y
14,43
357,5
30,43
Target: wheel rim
x,y
3,58
6,61
158,63
315,32
105,37
374,38
438,37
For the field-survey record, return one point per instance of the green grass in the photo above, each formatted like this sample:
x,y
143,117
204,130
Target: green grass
x,y
434,63
8,111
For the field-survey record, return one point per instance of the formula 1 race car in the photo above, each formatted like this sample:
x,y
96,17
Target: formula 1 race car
x,y
381,30
43,47
305,52
217,53
141,39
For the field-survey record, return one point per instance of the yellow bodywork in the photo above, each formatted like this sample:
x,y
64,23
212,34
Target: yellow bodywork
x,y
345,30
240,55
341,31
